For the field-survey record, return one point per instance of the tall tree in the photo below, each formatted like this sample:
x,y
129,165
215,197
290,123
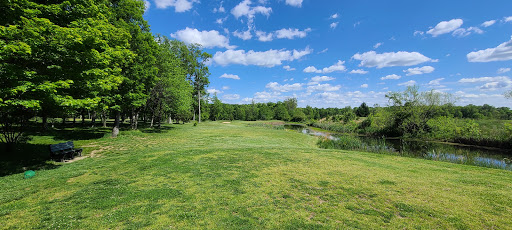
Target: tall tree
x,y
194,61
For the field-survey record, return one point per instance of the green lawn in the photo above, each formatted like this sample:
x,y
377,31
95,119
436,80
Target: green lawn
x,y
220,176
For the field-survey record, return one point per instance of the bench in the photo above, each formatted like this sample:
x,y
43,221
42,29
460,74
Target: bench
x,y
63,151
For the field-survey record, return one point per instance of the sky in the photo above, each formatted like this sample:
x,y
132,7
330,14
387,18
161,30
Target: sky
x,y
333,53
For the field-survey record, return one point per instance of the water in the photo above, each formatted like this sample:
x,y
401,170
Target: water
x,y
461,154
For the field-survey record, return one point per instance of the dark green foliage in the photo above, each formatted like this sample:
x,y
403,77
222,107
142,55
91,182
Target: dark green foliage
x,y
363,110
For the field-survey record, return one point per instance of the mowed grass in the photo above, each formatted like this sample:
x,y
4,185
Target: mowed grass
x,y
233,176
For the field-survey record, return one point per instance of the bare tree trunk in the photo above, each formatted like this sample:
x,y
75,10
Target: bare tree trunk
x,y
74,119
93,119
63,120
45,122
199,99
82,115
104,118
170,119
152,120
115,130
136,122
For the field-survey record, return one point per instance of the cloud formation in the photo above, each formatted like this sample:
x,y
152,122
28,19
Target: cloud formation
x,y
296,3
179,5
339,66
208,39
503,52
445,27
268,58
401,58
391,77
419,70
230,76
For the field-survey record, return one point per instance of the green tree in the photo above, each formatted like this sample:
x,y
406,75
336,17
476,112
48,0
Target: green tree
x,y
363,110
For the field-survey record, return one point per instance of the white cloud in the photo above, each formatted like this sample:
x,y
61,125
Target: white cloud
x,y
323,51
507,19
243,9
230,76
461,32
435,82
364,86
401,58
339,66
503,70
317,79
288,68
322,88
221,21
445,27
214,91
296,3
391,77
408,83
208,39
491,83
179,5
501,53
334,16
465,98
488,23
231,97
358,71
377,45
268,58
244,35
274,86
419,70
418,33
334,25
292,33
221,9
225,87
264,37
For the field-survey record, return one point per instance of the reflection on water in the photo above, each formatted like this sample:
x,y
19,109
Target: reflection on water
x,y
492,158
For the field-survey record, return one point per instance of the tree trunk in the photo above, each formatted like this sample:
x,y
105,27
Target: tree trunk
x,y
74,119
93,118
136,121
115,130
199,99
83,117
152,120
194,118
63,120
45,122
104,119
170,119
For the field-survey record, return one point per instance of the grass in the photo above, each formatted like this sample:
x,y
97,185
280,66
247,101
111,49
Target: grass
x,y
234,176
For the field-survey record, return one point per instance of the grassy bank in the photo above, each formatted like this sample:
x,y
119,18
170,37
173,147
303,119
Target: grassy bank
x,y
238,176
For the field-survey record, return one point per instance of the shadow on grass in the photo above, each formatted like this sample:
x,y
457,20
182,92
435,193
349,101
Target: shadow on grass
x,y
24,157
162,129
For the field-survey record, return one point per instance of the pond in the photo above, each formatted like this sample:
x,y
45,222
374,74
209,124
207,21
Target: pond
x,y
461,154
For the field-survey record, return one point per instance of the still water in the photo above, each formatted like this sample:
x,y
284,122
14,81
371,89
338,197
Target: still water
x,y
461,154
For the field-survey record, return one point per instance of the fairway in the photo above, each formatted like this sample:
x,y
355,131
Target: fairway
x,y
235,176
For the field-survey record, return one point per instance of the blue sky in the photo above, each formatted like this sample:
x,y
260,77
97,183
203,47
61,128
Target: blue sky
x,y
340,53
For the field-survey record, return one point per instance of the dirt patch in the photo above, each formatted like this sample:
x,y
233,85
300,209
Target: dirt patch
x,y
226,122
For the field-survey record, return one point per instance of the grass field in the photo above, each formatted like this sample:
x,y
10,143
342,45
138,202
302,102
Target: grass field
x,y
235,176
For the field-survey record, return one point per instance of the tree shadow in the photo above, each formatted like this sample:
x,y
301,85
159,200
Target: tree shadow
x,y
162,129
25,157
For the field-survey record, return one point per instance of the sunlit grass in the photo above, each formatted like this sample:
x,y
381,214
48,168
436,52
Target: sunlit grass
x,y
237,176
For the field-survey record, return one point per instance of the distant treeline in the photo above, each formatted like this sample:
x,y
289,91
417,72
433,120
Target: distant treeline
x,y
288,111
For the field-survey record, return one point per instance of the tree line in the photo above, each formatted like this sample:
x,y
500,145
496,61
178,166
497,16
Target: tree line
x,y
61,59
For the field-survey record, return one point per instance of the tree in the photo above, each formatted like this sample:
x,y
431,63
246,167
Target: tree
x,y
363,110
194,62
281,112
